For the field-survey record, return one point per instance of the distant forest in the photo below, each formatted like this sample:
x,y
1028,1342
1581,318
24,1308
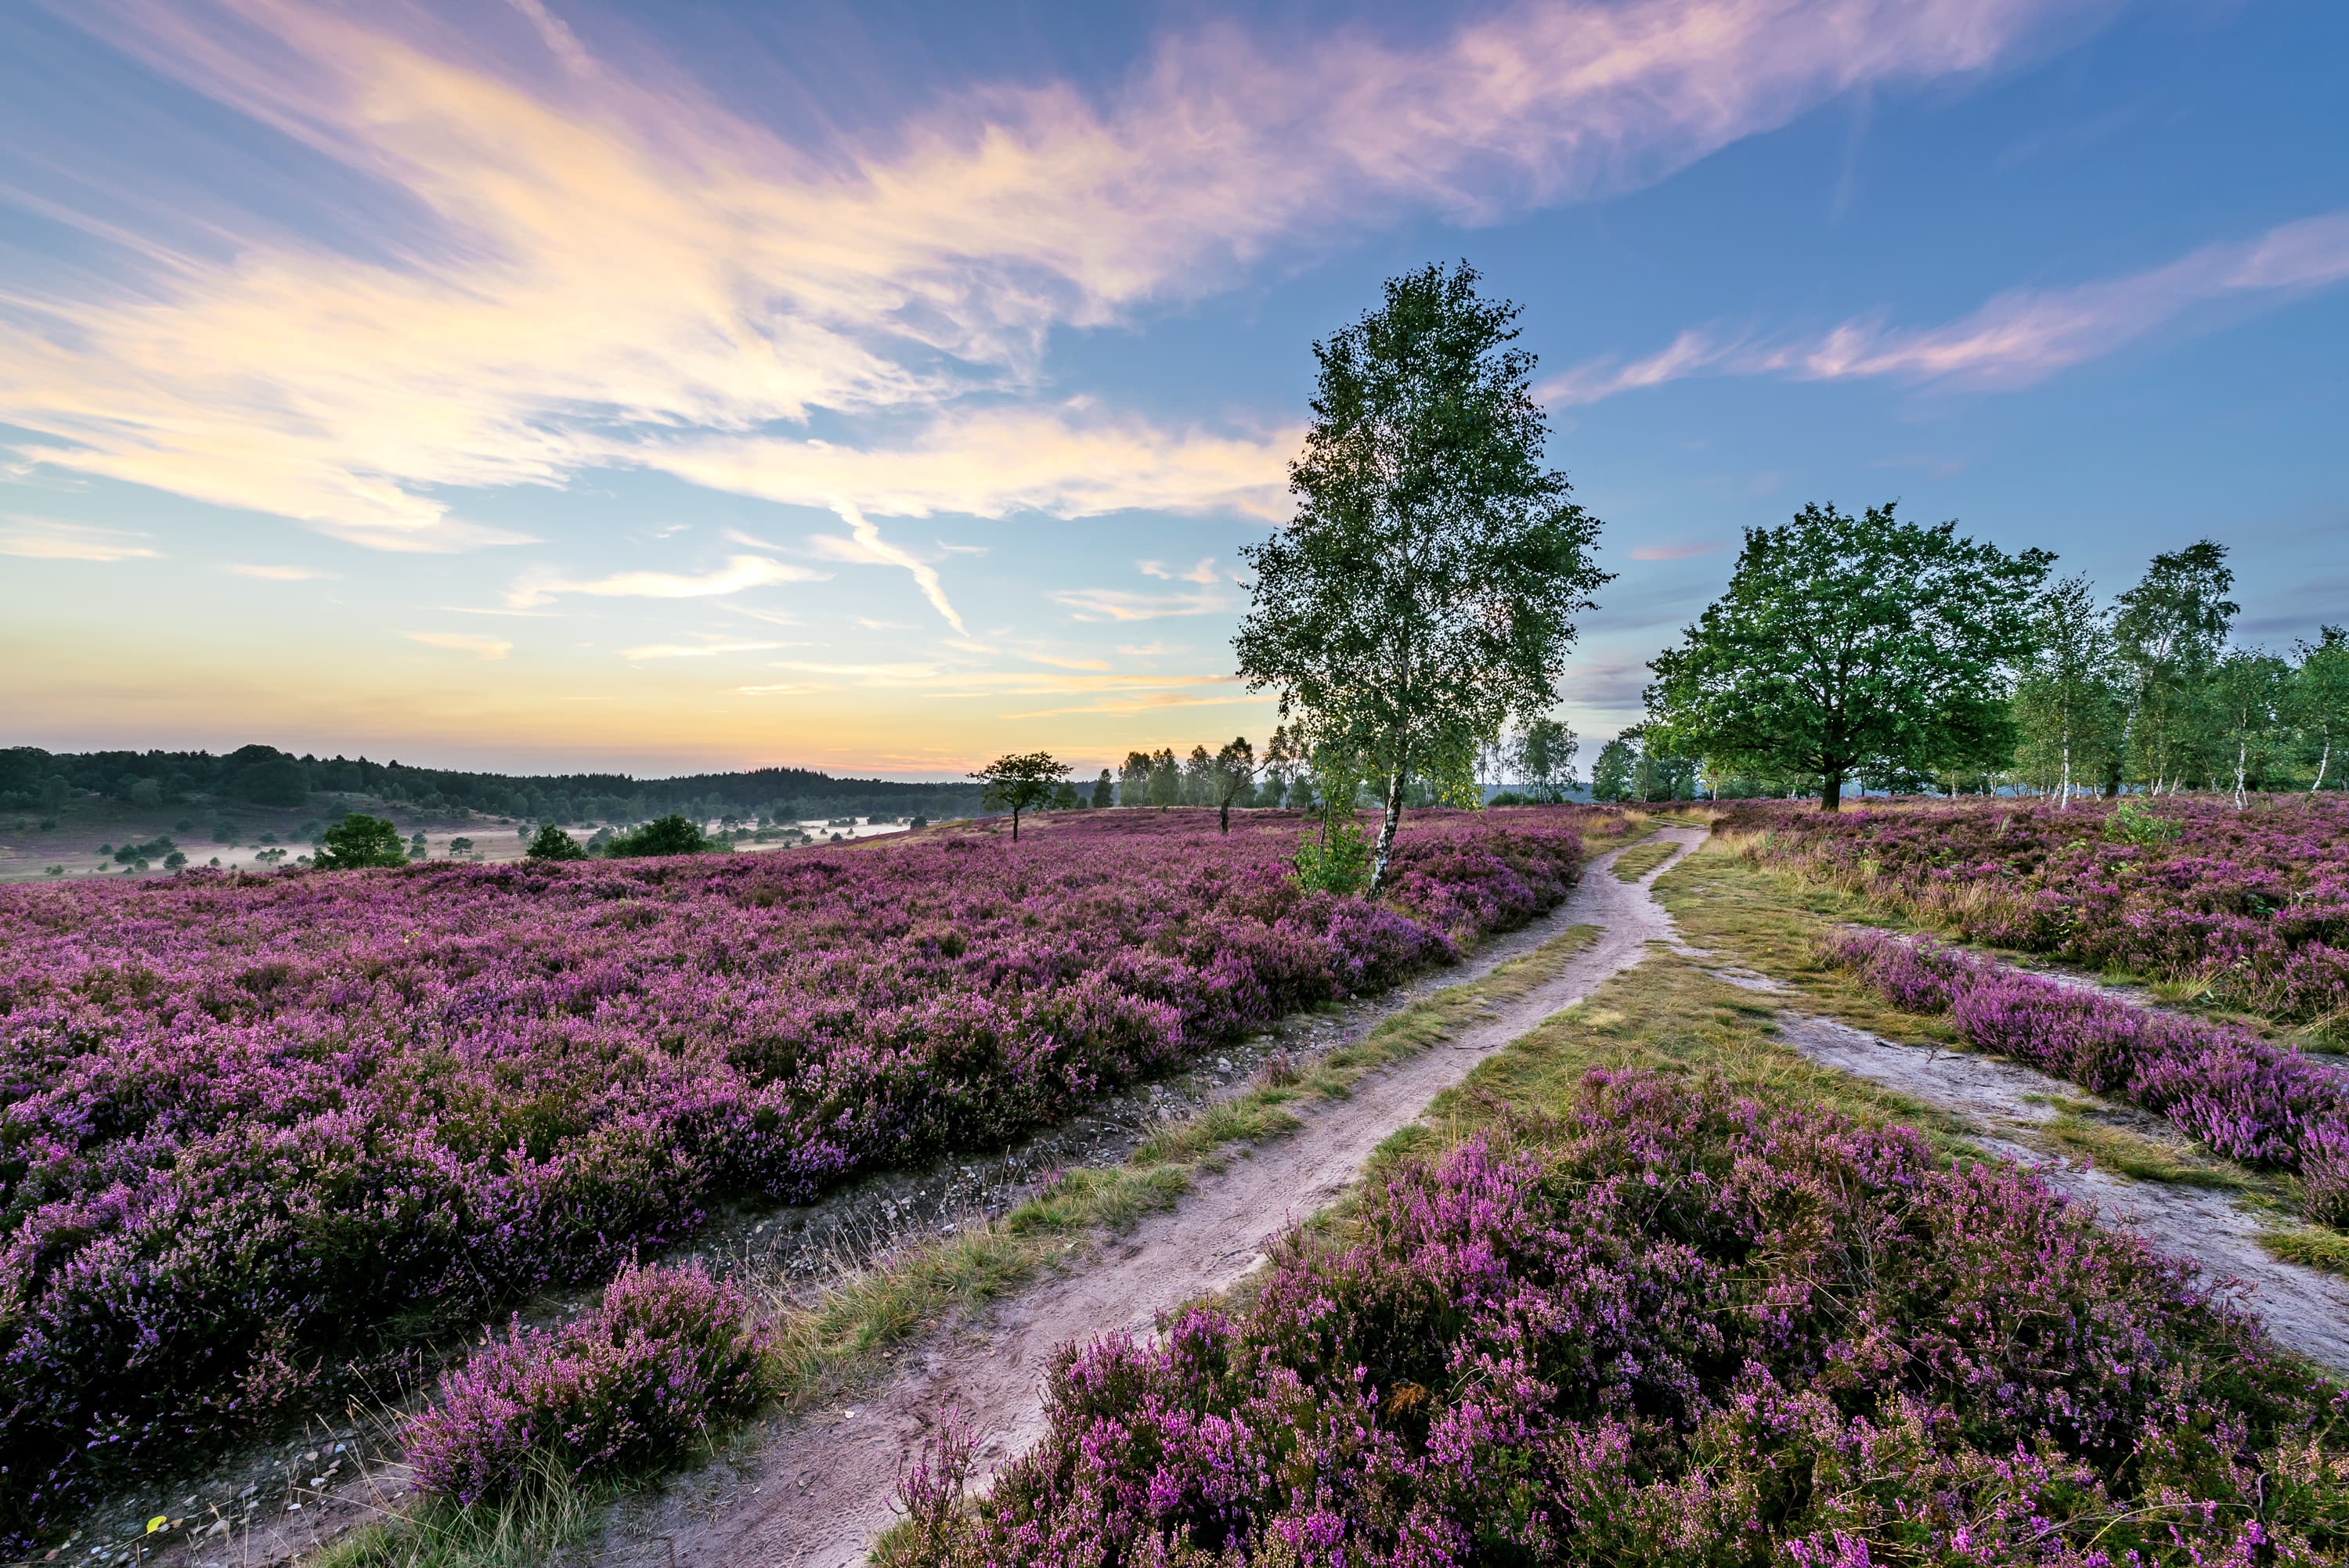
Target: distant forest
x,y
33,779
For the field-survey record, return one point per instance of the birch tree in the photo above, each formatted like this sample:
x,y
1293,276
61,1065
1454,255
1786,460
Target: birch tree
x,y
2066,702
1426,590
2320,694
2170,630
2249,687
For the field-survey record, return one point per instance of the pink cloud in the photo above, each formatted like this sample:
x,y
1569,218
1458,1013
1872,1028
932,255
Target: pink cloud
x,y
2016,339
612,269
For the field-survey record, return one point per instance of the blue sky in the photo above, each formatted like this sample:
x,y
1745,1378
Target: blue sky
x,y
547,384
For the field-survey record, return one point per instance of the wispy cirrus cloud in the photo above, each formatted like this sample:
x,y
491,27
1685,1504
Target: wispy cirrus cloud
x,y
1119,604
2017,339
604,259
1204,571
46,539
461,643
696,650
739,573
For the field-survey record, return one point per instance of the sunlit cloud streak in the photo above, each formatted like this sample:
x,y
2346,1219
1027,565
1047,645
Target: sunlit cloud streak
x,y
696,650
2017,339
268,574
45,539
459,642
1119,604
609,258
739,573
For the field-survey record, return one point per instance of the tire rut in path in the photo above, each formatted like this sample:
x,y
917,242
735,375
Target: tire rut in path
x,y
817,1491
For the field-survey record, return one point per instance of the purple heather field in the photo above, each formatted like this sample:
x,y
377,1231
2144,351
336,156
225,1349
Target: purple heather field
x,y
2253,902
259,1132
1681,1327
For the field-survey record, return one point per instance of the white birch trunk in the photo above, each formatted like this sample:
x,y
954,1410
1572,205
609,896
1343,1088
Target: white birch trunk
x,y
1393,820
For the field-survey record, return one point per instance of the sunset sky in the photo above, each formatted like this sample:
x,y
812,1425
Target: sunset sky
x,y
538,384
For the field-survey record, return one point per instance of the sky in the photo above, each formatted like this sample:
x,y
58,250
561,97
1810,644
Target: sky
x,y
547,384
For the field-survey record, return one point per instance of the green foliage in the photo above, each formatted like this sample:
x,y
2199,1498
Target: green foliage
x,y
1611,776
1846,642
1544,758
272,780
2068,703
2318,703
361,841
2131,823
1020,782
1336,857
2170,630
554,844
1425,591
672,835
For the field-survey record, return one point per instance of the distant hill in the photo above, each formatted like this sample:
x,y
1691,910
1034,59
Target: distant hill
x,y
34,780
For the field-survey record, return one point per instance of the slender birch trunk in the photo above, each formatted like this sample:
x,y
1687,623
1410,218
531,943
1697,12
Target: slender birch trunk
x,y
2322,759
2067,761
1387,830
2242,755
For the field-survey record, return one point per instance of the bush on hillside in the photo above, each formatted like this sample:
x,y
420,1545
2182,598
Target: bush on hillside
x,y
360,841
669,835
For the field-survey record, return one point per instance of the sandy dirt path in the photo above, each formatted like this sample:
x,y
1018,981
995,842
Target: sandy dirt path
x,y
817,1491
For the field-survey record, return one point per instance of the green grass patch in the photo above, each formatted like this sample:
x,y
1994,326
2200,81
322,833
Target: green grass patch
x,y
1641,859
2311,1246
2144,1159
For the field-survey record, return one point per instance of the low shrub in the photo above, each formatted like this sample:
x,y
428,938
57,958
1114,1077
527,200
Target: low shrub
x,y
1682,1329
665,1362
2250,907
2245,1097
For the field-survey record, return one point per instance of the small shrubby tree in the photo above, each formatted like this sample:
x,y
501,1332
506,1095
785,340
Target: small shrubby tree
x,y
554,844
2068,703
674,834
2319,699
1543,759
361,841
1021,783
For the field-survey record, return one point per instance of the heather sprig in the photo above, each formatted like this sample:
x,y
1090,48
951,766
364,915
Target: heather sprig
x,y
664,1364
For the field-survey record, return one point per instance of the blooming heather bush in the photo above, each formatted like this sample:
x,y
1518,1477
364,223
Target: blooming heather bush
x,y
1684,1329
2249,1098
634,1386
253,1131
2256,902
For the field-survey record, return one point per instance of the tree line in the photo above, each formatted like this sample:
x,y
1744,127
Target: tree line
x,y
1905,658
33,780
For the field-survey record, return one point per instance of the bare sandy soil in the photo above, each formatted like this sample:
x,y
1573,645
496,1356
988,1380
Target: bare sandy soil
x,y
819,1489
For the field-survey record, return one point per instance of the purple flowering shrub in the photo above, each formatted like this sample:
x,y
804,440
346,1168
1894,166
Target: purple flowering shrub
x,y
1681,1327
2247,1097
667,1361
2255,902
257,1131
